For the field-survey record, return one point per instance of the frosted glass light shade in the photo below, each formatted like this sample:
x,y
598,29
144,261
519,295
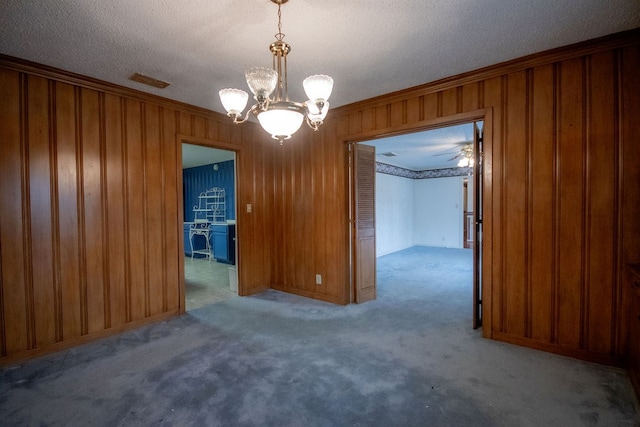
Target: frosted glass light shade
x,y
233,100
318,87
262,81
315,115
280,124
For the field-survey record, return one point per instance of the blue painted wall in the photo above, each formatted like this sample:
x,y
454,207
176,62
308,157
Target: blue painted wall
x,y
199,179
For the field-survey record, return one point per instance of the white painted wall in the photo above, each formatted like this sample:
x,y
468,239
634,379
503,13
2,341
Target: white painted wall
x,y
438,212
394,213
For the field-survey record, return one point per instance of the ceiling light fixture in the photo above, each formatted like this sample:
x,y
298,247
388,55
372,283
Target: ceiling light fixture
x,y
467,156
277,115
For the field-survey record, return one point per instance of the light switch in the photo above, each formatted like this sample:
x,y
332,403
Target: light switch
x,y
248,207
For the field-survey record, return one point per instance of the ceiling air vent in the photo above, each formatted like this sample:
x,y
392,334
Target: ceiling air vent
x,y
141,78
389,154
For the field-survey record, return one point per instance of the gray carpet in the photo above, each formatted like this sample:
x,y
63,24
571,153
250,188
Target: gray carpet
x,y
410,358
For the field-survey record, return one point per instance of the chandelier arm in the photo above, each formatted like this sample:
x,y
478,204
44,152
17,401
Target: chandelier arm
x,y
237,121
313,125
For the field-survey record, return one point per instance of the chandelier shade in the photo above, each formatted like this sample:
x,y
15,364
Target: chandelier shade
x,y
281,123
277,115
262,81
234,100
318,87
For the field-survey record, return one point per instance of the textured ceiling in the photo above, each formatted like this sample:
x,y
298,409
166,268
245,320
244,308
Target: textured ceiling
x,y
369,47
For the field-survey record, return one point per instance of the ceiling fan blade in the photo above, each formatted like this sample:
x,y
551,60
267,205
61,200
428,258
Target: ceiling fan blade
x,y
455,157
445,153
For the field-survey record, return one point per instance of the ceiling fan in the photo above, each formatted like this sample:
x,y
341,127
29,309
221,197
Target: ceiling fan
x,y
464,153
458,151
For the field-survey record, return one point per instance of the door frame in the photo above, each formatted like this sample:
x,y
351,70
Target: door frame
x,y
208,143
486,116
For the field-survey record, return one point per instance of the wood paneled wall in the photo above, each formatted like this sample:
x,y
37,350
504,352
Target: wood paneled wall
x,y
311,229
562,199
91,208
91,219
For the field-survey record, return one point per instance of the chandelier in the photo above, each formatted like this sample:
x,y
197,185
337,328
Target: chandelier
x,y
277,115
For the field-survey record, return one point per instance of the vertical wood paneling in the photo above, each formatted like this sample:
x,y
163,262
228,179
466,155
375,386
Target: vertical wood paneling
x,y
368,120
495,96
305,200
199,127
116,209
430,106
278,212
628,190
449,102
382,117
92,209
355,121
319,252
398,113
55,209
300,178
601,210
542,203
268,177
135,220
89,236
171,210
40,212
154,209
67,191
470,97
571,198
413,110
13,295
515,201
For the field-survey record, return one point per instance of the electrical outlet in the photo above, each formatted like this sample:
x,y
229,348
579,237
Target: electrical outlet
x,y
248,207
318,279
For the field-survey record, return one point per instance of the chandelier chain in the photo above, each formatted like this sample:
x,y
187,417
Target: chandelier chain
x,y
280,34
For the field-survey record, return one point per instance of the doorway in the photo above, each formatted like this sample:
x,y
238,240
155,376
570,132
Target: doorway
x,y
425,193
209,212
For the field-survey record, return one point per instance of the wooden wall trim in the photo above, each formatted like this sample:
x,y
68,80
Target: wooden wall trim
x,y
213,143
589,47
454,119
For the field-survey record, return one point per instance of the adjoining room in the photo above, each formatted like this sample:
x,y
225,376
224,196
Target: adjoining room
x,y
425,199
209,188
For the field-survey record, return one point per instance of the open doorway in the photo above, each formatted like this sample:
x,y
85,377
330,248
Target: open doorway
x,y
425,202
209,211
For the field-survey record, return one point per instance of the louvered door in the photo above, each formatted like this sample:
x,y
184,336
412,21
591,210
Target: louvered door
x,y
364,232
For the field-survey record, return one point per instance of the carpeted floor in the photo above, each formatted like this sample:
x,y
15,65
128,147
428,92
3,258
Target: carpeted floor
x,y
410,358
